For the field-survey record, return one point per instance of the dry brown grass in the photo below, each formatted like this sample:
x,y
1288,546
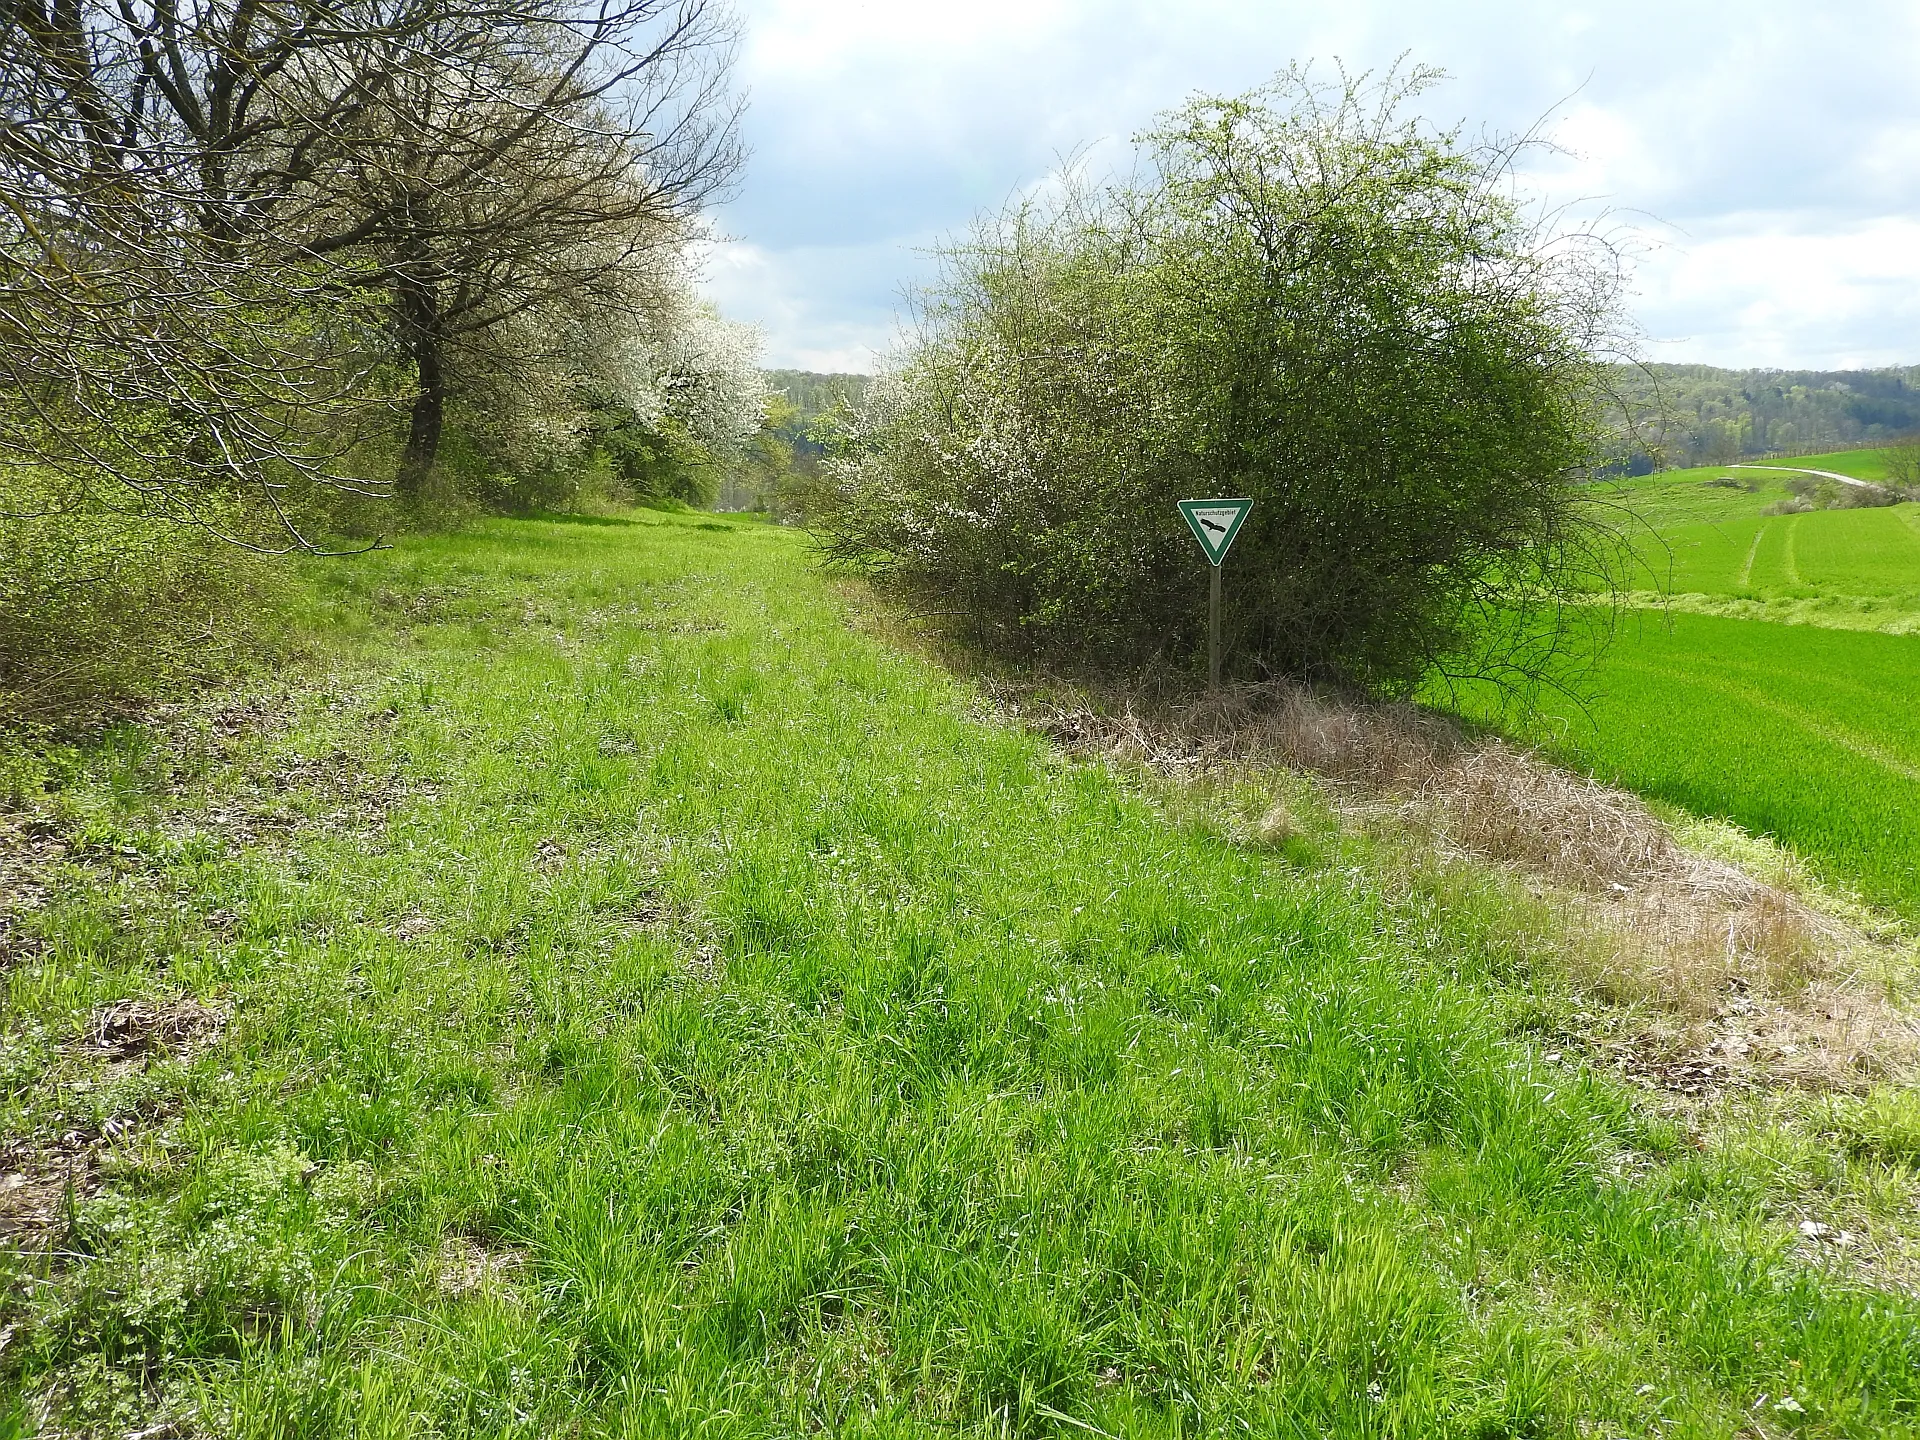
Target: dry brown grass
x,y
467,1266
1750,979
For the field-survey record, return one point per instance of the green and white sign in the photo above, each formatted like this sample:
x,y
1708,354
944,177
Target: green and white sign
x,y
1214,523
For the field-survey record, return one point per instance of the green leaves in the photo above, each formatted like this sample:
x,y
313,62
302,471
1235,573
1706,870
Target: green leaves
x,y
1310,300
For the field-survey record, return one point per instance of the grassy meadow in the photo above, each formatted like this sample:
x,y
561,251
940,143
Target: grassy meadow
x,y
1769,673
1706,544
606,992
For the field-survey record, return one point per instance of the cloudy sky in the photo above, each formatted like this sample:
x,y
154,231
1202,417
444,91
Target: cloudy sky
x,y
1769,151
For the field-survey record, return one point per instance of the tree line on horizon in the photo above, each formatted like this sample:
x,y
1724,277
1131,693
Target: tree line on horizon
x,y
778,471
1678,416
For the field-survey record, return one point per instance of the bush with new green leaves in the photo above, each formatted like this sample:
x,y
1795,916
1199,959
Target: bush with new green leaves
x,y
1303,297
100,608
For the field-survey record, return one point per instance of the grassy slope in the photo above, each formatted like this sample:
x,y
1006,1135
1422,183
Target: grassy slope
x,y
1747,699
1839,553
1708,545
1670,497
812,1054
1806,734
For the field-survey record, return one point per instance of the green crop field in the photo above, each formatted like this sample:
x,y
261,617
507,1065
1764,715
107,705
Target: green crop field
x,y
1694,535
1823,553
604,993
1742,687
1805,734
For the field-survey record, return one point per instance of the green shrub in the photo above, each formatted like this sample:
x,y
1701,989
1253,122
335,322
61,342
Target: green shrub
x,y
653,462
1823,492
1309,301
99,609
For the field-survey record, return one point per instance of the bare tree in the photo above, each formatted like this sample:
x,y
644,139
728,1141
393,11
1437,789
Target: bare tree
x,y
218,218
1903,466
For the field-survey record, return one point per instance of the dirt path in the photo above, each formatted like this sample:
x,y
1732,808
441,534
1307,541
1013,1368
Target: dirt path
x,y
1802,470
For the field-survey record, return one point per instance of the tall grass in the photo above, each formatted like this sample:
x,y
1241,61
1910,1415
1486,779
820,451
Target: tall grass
x,y
665,1010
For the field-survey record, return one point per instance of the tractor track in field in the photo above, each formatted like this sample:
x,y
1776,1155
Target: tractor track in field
x,y
1833,734
1746,570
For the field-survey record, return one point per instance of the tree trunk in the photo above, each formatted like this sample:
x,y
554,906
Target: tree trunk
x,y
423,428
420,319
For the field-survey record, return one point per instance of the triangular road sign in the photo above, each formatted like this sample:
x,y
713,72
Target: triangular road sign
x,y
1214,523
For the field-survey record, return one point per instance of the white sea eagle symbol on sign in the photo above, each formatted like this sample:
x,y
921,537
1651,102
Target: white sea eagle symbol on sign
x,y
1215,523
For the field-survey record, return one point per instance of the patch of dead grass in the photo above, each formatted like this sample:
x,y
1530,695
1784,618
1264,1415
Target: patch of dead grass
x,y
1753,981
39,1186
135,1029
465,1266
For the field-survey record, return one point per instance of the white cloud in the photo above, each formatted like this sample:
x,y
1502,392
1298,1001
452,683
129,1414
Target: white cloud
x,y
1763,293
877,126
815,305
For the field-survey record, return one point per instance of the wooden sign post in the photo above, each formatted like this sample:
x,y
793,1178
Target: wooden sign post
x,y
1214,524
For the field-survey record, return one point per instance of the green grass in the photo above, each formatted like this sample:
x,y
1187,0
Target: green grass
x,y
1806,734
812,1053
1842,563
1711,547
1677,497
1694,543
1741,686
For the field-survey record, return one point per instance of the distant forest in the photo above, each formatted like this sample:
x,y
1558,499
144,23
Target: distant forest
x,y
1680,415
783,460
813,394
1685,415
